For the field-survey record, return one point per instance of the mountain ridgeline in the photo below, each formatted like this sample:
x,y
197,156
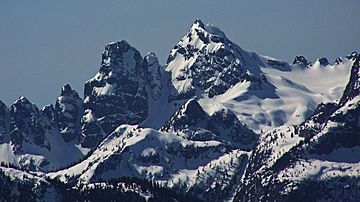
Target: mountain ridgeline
x,y
215,123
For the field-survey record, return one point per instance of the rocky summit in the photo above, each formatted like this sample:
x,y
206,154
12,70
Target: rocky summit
x,y
117,93
206,61
215,123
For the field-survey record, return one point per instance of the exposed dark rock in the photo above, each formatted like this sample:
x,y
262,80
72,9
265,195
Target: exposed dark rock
x,y
117,94
223,125
4,122
26,124
338,60
353,87
69,110
215,70
301,60
332,126
352,56
323,61
153,77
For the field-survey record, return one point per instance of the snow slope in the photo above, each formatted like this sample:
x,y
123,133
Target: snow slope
x,y
211,162
39,139
206,65
320,154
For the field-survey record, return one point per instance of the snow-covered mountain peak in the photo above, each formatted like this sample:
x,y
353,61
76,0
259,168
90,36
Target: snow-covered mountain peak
x,y
352,56
22,101
68,108
301,60
217,121
154,73
66,90
195,124
206,30
353,87
23,106
121,57
26,125
201,35
191,107
151,58
119,60
322,61
189,116
117,94
338,60
197,24
205,62
220,74
318,154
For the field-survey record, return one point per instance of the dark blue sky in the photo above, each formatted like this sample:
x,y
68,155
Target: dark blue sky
x,y
45,44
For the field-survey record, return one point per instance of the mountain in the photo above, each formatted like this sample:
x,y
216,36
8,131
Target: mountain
x,y
44,139
173,156
206,62
194,123
301,61
153,75
69,111
116,95
317,160
207,66
215,123
19,185
4,122
119,92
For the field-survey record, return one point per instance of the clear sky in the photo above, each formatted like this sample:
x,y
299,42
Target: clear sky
x,y
45,44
